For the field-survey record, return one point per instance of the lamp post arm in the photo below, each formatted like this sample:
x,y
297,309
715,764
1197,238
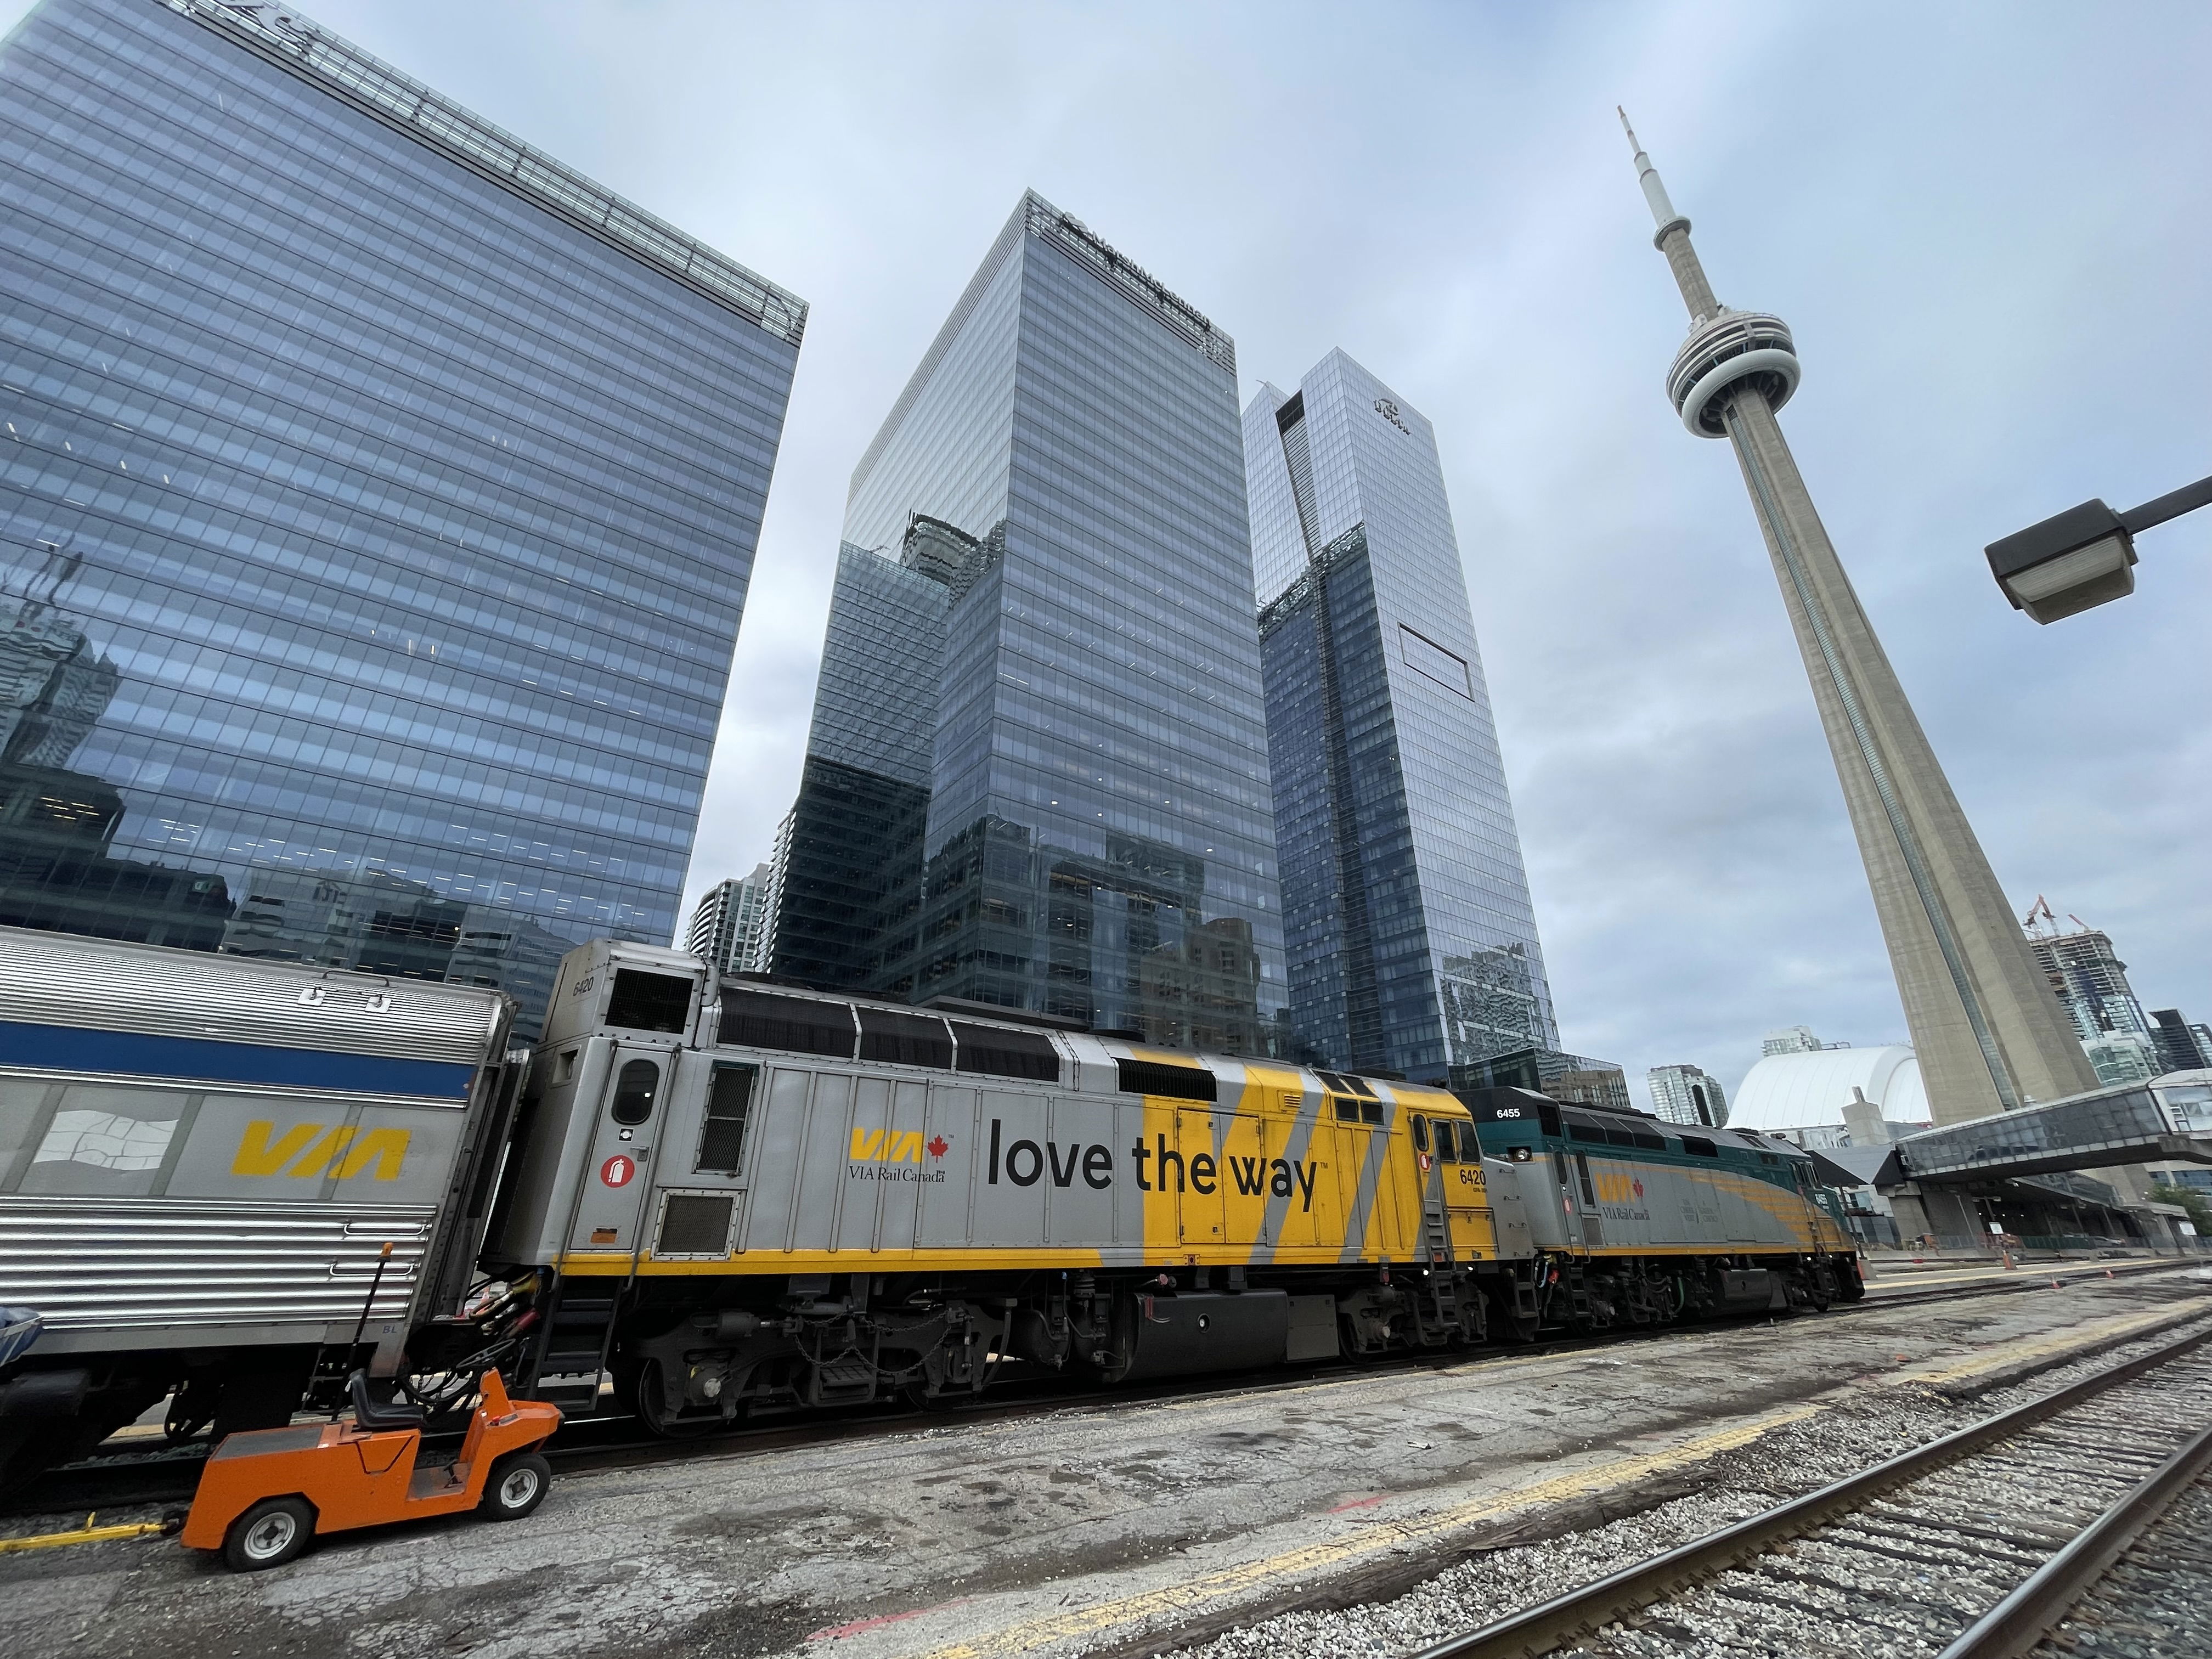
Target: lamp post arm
x,y
2171,505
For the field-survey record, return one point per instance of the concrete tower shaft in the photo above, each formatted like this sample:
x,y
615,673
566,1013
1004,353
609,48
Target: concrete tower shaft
x,y
1990,1035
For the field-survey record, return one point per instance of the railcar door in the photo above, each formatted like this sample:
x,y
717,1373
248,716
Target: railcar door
x,y
616,1177
1466,1188
1571,1182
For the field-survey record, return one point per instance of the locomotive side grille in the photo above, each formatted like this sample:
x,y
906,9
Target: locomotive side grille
x,y
990,1052
1144,1077
695,1224
759,1019
87,1263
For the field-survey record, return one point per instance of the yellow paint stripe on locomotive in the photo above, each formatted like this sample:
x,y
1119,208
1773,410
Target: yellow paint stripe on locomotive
x,y
608,1265
1785,1204
1007,1259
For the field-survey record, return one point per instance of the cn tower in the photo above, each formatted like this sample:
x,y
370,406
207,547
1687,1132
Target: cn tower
x,y
1988,1032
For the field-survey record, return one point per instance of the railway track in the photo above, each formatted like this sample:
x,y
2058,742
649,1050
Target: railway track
x,y
1975,1545
170,1474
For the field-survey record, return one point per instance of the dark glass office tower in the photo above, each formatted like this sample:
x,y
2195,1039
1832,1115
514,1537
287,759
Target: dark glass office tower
x,y
1097,841
1411,939
376,503
850,886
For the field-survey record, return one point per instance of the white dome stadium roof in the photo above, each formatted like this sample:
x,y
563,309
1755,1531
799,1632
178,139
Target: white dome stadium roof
x,y
1805,1091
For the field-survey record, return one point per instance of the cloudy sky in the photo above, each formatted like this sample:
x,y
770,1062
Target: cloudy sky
x,y
1990,229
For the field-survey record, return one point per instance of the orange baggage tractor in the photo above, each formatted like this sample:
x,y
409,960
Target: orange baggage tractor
x,y
267,1492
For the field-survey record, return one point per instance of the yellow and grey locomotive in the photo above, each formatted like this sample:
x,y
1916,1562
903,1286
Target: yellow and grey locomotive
x,y
740,1195
711,1196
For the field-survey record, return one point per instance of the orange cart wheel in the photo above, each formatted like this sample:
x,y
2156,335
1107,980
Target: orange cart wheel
x,y
269,1535
517,1486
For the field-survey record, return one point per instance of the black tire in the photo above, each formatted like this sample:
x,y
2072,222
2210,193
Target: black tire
x,y
274,1531
516,1485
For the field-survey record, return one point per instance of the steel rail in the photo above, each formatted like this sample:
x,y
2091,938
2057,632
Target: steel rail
x,y
2011,1629
1550,1625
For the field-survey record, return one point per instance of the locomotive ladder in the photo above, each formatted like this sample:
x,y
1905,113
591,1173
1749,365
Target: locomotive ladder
x,y
578,1336
1435,1229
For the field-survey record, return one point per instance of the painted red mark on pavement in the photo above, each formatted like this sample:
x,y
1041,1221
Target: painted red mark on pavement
x,y
1359,1504
860,1624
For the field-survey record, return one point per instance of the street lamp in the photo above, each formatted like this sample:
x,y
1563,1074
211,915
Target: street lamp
x,y
2082,556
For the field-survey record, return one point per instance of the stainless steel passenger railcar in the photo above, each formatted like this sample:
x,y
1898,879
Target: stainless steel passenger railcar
x,y
201,1160
734,1195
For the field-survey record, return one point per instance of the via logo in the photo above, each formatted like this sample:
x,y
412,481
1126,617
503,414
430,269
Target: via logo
x,y
310,1150
1615,1187
895,1146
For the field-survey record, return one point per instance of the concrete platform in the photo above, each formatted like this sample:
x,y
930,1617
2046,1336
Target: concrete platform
x,y
1089,1529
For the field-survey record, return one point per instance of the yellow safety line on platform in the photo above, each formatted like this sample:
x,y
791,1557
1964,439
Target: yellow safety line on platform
x,y
1375,1538
86,1533
2009,1353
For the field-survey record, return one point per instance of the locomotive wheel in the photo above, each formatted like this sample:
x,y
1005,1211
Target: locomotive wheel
x,y
653,1409
917,1393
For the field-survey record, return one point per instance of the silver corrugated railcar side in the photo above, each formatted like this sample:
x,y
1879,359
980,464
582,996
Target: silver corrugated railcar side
x,y
202,1157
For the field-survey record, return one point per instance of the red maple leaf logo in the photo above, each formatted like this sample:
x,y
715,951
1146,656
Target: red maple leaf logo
x,y
939,1145
1639,1188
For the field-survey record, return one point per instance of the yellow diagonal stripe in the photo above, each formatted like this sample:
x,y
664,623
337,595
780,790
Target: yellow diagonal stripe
x,y
1374,1539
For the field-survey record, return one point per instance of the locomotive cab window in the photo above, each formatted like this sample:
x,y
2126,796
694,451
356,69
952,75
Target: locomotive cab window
x,y
634,1088
650,1002
1447,1150
1421,1132
722,1136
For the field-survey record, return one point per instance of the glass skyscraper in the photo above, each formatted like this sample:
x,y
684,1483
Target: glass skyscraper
x,y
1056,797
377,505
1411,939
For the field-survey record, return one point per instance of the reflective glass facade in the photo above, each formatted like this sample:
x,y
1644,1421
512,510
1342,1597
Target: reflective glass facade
x,y
851,855
1098,840
373,534
1411,940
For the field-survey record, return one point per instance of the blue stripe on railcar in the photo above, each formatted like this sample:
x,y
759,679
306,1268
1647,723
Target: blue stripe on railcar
x,y
138,1054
